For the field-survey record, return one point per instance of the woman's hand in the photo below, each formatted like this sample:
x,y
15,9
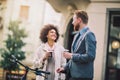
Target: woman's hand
x,y
47,55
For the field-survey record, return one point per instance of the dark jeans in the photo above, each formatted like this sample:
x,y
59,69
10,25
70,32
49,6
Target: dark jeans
x,y
80,79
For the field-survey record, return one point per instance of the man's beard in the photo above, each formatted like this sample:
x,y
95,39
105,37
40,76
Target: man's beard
x,y
76,27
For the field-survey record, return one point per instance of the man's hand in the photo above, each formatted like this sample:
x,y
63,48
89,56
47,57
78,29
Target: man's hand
x,y
67,55
59,70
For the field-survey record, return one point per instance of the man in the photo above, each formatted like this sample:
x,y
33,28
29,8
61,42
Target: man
x,y
83,50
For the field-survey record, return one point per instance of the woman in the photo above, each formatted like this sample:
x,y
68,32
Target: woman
x,y
49,54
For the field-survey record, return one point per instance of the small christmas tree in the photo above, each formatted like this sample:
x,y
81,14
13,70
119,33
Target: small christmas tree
x,y
14,44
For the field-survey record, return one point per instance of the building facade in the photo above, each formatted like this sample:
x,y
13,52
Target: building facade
x,y
104,21
30,13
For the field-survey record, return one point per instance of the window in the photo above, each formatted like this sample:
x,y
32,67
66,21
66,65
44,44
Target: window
x,y
24,11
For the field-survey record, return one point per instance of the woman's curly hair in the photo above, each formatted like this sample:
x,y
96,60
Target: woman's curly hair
x,y
45,30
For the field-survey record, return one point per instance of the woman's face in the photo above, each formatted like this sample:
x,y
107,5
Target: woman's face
x,y
52,35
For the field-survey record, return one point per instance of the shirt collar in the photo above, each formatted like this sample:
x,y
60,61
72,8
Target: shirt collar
x,y
48,48
83,30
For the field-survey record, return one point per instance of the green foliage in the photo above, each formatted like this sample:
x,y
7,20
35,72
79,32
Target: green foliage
x,y
14,44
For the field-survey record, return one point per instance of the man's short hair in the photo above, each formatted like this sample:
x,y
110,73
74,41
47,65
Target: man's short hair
x,y
83,15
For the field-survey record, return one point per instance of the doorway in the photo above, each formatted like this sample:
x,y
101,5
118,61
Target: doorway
x,y
69,36
113,46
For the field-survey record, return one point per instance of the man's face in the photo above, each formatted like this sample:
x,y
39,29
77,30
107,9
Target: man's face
x,y
75,23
